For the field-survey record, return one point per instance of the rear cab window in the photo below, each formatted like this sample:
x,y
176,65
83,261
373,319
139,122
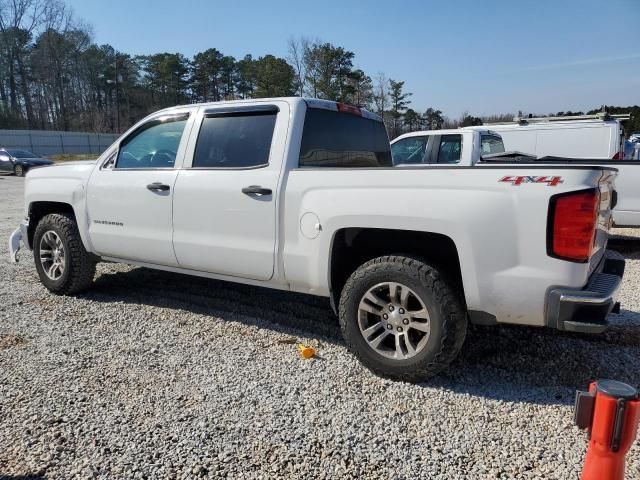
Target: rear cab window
x,y
491,144
343,139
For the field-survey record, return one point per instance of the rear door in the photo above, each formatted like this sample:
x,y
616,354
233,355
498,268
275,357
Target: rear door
x,y
224,207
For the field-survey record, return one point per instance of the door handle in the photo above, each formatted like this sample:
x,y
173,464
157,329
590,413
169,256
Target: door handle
x,y
256,190
158,187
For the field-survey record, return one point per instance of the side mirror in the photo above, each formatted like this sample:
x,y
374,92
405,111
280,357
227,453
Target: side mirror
x,y
110,162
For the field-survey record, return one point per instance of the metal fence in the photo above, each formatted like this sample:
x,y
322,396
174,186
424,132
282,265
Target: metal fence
x,y
47,142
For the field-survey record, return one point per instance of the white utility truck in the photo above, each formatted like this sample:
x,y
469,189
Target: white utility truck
x,y
471,146
585,137
463,146
302,195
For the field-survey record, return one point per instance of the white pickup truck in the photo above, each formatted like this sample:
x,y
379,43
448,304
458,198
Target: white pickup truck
x,y
302,195
471,146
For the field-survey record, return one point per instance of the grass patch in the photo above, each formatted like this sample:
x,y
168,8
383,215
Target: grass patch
x,y
70,157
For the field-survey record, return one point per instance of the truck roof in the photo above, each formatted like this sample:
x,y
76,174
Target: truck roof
x,y
447,131
312,102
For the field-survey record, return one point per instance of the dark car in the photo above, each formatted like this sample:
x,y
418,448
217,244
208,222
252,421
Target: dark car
x,y
19,161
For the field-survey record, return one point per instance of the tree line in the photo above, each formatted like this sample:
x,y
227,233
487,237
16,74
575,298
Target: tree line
x,y
52,76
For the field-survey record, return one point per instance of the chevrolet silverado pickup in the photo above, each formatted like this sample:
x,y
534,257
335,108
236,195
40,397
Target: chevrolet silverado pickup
x,y
471,146
300,194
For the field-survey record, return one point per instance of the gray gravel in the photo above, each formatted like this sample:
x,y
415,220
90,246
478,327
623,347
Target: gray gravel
x,y
157,375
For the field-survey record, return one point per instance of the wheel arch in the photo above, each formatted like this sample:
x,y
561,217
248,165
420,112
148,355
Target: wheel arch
x,y
352,247
39,209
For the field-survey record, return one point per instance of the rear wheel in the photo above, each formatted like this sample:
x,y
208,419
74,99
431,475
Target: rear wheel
x,y
401,318
63,264
19,171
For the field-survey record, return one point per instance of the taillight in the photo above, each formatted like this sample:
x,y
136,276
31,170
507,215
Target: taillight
x,y
573,218
344,108
618,156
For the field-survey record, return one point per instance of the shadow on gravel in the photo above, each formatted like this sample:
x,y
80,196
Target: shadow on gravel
x,y
509,363
624,244
514,363
259,306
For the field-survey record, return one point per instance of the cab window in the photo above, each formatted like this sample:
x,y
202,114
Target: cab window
x,y
235,140
153,145
491,144
450,149
333,139
411,150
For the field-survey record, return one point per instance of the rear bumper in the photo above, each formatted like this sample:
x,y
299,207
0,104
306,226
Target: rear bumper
x,y
19,235
625,218
585,310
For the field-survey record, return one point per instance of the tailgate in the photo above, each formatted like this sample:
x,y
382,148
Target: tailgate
x,y
607,202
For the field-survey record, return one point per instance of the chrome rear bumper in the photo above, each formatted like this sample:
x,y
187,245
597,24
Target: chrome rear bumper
x,y
585,310
19,235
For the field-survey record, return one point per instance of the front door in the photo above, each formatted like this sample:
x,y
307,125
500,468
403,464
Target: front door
x,y
225,199
130,195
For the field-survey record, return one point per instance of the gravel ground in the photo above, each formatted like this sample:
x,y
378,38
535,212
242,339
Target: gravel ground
x,y
157,375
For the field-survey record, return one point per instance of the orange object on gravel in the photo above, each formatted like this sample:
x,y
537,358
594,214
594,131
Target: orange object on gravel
x,y
306,352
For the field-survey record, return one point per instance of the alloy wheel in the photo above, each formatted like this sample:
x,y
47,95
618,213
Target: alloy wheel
x,y
394,321
52,255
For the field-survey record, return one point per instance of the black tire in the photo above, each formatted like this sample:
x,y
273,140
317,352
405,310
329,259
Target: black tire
x,y
79,265
19,170
448,318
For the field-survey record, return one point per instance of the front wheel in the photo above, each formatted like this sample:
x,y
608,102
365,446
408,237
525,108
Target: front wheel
x,y
401,318
63,264
19,171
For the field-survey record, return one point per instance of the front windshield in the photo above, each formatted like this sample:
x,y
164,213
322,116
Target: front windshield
x,y
22,154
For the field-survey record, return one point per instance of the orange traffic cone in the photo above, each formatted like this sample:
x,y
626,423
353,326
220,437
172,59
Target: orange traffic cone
x,y
610,412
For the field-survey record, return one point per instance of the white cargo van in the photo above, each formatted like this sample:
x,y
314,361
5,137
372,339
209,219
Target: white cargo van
x,y
587,136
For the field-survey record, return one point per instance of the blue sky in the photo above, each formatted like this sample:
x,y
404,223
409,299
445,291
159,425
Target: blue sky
x,y
478,56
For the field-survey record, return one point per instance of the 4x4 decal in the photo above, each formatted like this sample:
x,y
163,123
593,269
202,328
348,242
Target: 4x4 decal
x,y
519,180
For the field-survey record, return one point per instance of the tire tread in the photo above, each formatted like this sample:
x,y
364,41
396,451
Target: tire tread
x,y
82,265
452,311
